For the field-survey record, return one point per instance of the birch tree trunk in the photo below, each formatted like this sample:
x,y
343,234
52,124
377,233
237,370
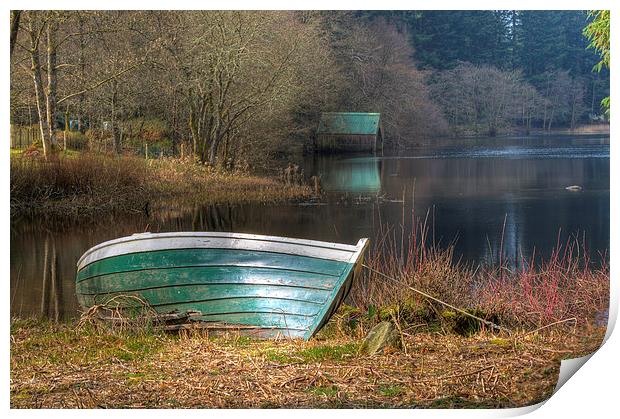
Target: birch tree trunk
x,y
52,78
35,72
82,67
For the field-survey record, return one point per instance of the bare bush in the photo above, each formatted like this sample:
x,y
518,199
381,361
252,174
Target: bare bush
x,y
565,288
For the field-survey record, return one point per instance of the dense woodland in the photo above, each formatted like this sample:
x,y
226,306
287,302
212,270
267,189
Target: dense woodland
x,y
239,88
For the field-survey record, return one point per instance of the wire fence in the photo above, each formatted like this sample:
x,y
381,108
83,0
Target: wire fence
x,y
22,137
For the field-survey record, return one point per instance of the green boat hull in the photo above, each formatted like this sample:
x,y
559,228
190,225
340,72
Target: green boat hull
x,y
238,284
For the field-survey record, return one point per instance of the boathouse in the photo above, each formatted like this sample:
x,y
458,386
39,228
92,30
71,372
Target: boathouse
x,y
349,131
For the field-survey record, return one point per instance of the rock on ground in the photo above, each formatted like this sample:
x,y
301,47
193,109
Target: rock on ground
x,y
380,337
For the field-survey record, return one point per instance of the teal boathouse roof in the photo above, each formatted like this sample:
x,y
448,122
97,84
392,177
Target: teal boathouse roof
x,y
349,123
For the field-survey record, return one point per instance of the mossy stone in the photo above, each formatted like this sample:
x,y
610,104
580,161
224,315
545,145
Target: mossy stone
x,y
381,336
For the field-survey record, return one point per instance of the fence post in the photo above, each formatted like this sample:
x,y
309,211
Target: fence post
x,y
146,150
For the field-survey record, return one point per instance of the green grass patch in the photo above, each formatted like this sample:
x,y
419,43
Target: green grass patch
x,y
391,390
136,375
316,354
329,391
43,342
504,343
243,341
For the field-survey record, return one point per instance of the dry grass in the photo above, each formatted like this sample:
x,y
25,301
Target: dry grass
x,y
185,180
592,129
75,185
54,366
87,184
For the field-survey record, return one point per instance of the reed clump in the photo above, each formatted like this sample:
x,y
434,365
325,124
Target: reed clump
x,y
567,287
187,181
566,290
73,185
84,184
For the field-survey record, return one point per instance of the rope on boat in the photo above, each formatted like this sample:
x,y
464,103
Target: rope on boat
x,y
430,297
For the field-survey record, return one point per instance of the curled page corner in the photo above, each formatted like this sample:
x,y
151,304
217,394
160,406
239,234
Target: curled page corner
x,y
520,411
568,367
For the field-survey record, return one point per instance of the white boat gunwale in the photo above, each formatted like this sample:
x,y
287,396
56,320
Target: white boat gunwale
x,y
146,242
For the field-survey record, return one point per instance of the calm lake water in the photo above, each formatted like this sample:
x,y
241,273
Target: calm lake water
x,y
468,188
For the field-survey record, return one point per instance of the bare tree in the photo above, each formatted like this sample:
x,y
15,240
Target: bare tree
x,y
531,104
556,95
15,16
37,22
484,98
577,106
231,69
48,38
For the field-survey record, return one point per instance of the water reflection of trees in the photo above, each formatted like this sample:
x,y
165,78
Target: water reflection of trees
x,y
223,217
37,283
51,288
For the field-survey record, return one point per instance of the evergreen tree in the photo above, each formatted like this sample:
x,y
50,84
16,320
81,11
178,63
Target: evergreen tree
x,y
442,39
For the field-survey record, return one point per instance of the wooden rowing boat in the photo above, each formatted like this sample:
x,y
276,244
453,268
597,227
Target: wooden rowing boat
x,y
263,285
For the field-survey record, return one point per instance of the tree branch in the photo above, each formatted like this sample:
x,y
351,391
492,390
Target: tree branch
x,y
102,82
